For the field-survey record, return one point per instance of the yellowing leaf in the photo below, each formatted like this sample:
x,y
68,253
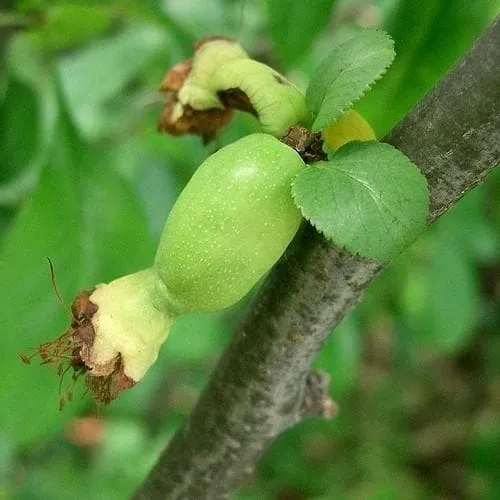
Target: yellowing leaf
x,y
351,126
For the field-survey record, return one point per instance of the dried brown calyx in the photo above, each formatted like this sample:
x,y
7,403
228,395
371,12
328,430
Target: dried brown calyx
x,y
181,120
174,78
221,77
71,351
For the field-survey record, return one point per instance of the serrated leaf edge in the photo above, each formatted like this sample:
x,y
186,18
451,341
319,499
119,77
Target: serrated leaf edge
x,y
315,223
351,103
320,231
363,92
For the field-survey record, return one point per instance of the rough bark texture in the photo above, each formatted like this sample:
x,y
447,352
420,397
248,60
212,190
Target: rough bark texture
x,y
263,382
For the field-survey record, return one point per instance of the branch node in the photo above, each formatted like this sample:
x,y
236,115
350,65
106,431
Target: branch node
x,y
309,145
316,399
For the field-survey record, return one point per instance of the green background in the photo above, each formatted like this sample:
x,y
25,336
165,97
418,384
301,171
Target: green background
x,y
86,180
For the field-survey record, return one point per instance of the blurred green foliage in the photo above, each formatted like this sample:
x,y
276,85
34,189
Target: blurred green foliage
x,y
86,180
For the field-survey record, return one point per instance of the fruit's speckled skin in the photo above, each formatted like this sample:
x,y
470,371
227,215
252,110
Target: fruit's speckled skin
x,y
231,223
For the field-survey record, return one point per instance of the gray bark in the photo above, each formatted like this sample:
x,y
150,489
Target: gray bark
x,y
262,384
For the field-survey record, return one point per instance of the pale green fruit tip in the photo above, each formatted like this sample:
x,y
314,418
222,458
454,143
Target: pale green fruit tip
x,y
132,321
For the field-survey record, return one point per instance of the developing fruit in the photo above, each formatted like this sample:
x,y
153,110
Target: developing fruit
x,y
229,226
209,58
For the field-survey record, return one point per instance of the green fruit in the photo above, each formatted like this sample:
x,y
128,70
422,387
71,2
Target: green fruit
x,y
230,225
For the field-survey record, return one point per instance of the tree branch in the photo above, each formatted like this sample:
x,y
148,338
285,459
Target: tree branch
x,y
262,385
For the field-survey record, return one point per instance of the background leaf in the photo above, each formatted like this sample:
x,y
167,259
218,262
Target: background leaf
x,y
294,26
86,219
445,29
437,322
346,74
93,76
341,357
368,198
31,104
59,30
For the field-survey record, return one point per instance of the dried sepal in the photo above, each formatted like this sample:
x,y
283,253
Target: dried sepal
x,y
70,352
219,78
174,78
105,388
183,117
177,120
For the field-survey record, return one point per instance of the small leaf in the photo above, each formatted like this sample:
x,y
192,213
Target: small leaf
x,y
345,75
368,198
440,33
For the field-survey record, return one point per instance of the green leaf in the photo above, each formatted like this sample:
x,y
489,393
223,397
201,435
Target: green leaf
x,y
98,73
346,74
341,356
67,25
441,298
440,33
295,25
18,129
368,198
28,118
86,218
